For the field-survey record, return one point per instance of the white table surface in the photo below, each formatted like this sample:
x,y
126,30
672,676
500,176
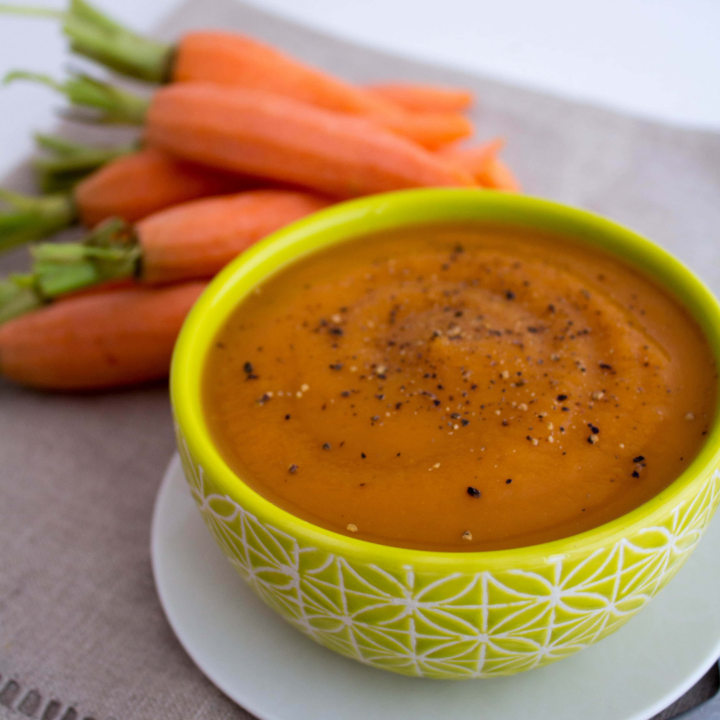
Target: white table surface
x,y
655,58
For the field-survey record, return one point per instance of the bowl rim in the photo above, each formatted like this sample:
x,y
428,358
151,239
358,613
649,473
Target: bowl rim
x,y
349,220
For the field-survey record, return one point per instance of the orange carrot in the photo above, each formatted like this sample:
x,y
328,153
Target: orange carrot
x,y
270,136
187,242
225,58
483,163
112,339
197,239
222,58
431,130
110,285
424,98
134,186
130,187
476,159
500,177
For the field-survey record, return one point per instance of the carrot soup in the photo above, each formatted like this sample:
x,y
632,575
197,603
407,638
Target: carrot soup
x,y
459,387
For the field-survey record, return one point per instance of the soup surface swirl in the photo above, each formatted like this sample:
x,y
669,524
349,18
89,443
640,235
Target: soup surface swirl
x,y
459,387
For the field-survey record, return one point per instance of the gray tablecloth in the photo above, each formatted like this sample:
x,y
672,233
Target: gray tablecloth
x,y
82,633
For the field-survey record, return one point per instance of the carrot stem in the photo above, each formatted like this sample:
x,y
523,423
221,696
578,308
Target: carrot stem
x,y
111,252
67,162
31,218
100,38
17,297
112,104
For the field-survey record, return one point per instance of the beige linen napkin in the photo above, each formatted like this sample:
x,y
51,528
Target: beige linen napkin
x,y
82,634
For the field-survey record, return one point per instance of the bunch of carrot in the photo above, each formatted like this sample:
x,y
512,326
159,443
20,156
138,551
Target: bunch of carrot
x,y
239,140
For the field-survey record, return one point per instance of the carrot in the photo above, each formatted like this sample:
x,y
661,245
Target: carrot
x,y
483,163
194,240
500,177
108,104
112,339
227,59
232,59
130,187
198,239
270,136
241,61
476,159
424,98
430,130
137,185
119,284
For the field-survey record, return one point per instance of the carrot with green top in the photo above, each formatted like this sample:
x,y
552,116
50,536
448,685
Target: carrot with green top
x,y
233,59
130,187
64,163
106,340
190,241
138,185
265,135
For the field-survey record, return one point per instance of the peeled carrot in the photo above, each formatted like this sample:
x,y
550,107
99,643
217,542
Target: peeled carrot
x,y
500,177
198,239
130,187
107,340
228,59
122,283
134,186
233,59
270,136
431,130
238,60
190,241
476,160
483,163
424,98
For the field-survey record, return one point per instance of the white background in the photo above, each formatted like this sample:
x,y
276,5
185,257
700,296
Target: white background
x,y
656,58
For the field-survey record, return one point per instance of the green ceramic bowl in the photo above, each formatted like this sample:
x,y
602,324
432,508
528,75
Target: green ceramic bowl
x,y
441,614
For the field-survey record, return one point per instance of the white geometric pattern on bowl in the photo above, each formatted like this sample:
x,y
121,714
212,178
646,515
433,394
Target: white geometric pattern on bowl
x,y
458,625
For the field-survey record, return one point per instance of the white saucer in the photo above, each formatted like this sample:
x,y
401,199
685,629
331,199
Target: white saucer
x,y
276,673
